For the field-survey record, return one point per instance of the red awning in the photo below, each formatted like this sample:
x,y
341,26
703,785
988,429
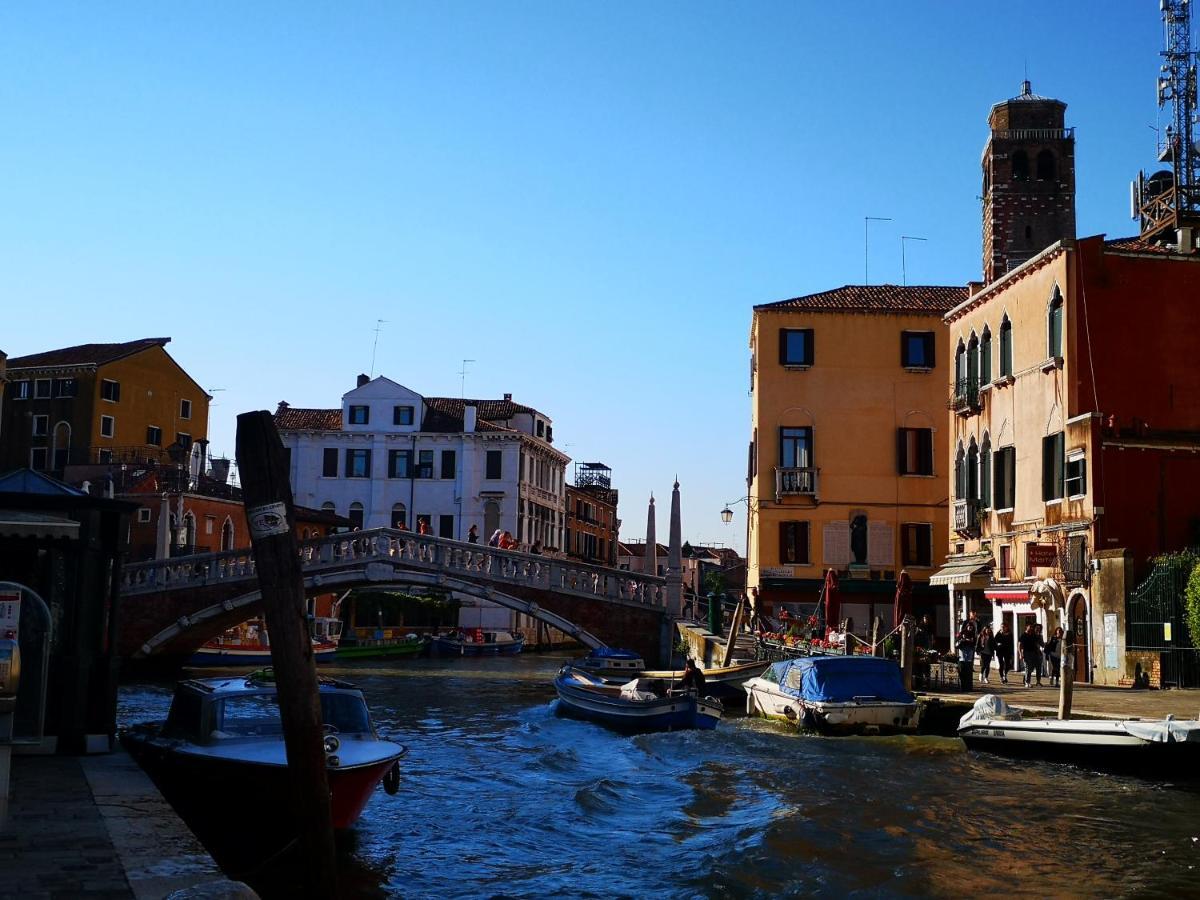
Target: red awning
x,y
1001,595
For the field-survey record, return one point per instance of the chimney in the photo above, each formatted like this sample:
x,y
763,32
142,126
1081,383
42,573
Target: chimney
x,y
283,404
1183,237
470,417
363,379
508,397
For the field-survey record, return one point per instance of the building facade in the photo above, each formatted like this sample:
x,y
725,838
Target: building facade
x,y
390,457
592,524
846,460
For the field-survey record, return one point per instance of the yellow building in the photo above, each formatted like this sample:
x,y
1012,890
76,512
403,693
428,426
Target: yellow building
x,y
848,448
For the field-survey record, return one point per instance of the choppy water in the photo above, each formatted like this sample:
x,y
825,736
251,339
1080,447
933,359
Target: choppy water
x,y
502,798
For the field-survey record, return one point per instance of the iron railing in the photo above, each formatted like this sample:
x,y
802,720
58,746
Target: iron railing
x,y
796,481
965,399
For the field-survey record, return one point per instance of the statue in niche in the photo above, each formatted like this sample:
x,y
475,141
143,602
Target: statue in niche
x,y
858,538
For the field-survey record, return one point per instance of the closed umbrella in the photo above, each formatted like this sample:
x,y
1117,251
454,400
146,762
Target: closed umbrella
x,y
833,606
902,605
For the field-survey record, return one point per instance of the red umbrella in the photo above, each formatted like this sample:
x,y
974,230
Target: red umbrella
x,y
902,606
833,607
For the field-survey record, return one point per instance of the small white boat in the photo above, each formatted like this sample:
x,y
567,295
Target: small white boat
x,y
835,695
1155,747
640,705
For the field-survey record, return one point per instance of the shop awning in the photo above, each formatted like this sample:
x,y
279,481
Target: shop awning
x,y
971,572
15,523
1014,594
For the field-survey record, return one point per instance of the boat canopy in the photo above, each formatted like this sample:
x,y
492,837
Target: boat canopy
x,y
840,679
613,653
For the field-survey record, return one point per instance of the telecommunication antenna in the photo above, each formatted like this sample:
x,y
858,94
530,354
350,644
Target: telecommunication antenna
x,y
462,389
212,391
379,323
867,220
903,264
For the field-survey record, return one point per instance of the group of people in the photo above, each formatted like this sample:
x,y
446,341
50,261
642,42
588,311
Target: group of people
x,y
1036,656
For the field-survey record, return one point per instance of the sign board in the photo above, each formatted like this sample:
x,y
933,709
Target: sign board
x,y
881,545
1167,632
1041,555
777,572
10,613
1110,640
835,544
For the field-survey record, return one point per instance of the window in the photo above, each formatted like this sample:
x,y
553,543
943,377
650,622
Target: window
x,y
960,473
210,524
358,463
21,390
110,390
1054,326
65,387
1006,348
399,464
37,458
972,365
796,448
356,509
795,346
329,462
1020,165
1053,461
916,350
143,515
916,544
41,426
493,465
402,415
41,389
446,526
1045,165
972,473
360,415
399,516
985,356
185,409
985,473
1004,480
448,463
183,439
793,543
1006,571
108,426
915,447
153,435
328,506
424,463
1076,475
103,455
960,367
541,428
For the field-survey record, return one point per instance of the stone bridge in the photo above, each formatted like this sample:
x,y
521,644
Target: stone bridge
x,y
170,607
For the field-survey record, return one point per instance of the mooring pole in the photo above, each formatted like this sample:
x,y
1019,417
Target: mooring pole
x,y
907,650
1066,674
268,498
734,627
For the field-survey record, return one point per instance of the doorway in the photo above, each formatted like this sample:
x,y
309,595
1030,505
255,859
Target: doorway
x,y
1078,620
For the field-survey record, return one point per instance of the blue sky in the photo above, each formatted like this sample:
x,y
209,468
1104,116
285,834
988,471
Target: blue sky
x,y
585,199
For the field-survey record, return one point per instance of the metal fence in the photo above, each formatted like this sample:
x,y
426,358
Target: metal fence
x,y
1156,621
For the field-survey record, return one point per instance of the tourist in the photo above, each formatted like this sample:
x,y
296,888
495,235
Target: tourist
x,y
1037,629
473,535
507,542
693,678
1054,655
987,649
968,636
1004,651
536,549
1030,654
494,540
422,526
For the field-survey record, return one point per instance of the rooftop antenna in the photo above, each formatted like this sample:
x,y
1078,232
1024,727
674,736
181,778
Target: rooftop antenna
x,y
379,323
867,220
462,388
212,391
903,264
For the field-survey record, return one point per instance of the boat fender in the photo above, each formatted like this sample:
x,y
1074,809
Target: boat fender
x,y
391,781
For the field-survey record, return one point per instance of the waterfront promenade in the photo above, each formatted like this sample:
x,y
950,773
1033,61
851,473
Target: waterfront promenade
x,y
1088,701
96,826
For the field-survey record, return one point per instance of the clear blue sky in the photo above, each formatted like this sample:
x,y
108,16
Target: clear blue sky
x,y
586,199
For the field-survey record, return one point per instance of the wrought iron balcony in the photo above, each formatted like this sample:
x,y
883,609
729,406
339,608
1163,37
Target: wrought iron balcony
x,y
965,400
792,481
966,516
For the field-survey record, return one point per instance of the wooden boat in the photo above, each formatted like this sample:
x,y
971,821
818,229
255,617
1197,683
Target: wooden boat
x,y
611,662
640,705
408,646
477,642
1152,747
835,695
219,758
722,682
249,644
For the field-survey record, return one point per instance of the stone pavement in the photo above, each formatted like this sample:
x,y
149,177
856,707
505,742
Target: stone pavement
x,y
1095,701
97,827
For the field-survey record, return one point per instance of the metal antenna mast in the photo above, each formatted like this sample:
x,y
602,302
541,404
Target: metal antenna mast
x,y
903,264
379,323
462,389
867,220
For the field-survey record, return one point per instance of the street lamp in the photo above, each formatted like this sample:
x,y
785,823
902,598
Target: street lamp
x,y
727,515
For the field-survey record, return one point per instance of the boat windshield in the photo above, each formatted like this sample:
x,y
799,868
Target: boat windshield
x,y
256,715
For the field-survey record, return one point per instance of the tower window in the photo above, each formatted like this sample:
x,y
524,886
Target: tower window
x,y
1045,166
1020,165
1028,232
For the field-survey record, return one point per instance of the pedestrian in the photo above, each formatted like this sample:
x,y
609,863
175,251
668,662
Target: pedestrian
x,y
507,542
1054,654
536,549
693,678
422,526
1004,651
473,535
494,540
1037,629
987,649
968,636
1031,655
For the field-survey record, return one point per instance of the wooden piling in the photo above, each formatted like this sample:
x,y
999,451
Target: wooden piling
x,y
268,498
1066,674
907,650
734,627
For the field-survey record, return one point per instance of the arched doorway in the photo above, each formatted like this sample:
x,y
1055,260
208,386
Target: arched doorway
x,y
491,518
1077,619
399,516
227,534
62,446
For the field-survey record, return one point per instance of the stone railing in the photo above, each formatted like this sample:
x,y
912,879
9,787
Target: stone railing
x,y
404,550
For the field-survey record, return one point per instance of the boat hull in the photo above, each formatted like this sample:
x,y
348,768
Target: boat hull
x,y
722,682
372,651
672,713
852,717
446,647
257,655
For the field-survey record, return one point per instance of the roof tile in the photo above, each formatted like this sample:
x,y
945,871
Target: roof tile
x,y
877,298
86,354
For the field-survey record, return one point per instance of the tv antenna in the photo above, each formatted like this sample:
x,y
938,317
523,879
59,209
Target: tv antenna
x,y
379,323
903,265
462,388
212,391
867,220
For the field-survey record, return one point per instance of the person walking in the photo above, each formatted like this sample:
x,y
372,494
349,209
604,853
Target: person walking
x,y
1004,651
494,540
1037,629
1031,655
1054,655
473,535
987,649
968,637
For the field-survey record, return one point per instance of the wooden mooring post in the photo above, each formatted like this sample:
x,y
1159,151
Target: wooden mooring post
x,y
268,498
734,627
907,649
1066,674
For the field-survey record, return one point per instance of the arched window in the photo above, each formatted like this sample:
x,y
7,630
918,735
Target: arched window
x,y
985,472
399,516
328,506
1054,325
972,473
960,480
62,446
1045,165
491,518
1006,348
985,356
356,515
1028,232
187,534
1020,165
960,367
227,534
973,364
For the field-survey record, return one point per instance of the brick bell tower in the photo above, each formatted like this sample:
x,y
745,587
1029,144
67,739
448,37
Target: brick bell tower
x,y
1028,181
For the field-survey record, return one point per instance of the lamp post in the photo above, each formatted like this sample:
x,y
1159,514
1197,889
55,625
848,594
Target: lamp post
x,y
727,517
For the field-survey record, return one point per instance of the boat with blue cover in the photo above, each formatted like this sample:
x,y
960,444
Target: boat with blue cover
x,y
835,695
638,705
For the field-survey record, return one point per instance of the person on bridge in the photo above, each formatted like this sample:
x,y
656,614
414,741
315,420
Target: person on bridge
x,y
473,535
693,678
507,541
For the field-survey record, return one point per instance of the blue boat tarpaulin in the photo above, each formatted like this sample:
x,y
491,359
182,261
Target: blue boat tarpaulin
x,y
840,679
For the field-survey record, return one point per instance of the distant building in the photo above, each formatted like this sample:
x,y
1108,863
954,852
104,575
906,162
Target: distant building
x,y
390,457
592,523
632,557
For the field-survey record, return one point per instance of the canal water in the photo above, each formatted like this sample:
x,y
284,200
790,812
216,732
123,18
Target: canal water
x,y
502,798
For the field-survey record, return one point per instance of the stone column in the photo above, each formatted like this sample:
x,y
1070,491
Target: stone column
x,y
674,587
162,544
650,560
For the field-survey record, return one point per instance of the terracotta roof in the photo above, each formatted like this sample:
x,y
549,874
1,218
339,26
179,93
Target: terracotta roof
x,y
639,549
86,354
1134,245
492,410
288,418
442,414
884,298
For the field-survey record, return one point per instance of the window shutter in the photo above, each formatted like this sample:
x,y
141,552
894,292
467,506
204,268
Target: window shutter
x,y
905,542
783,542
783,333
925,544
925,449
1047,468
1010,477
902,451
802,554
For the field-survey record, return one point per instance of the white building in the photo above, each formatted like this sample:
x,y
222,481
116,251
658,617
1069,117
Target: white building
x,y
390,457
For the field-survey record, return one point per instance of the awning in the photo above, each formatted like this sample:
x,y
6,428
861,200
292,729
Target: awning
x,y
974,572
15,523
1008,594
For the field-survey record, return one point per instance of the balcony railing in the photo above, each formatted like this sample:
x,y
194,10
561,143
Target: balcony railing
x,y
1035,134
792,481
965,399
966,516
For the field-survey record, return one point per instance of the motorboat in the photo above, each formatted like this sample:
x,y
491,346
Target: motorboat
x,y
638,705
220,760
410,645
835,695
249,644
611,662
477,642
1151,747
723,682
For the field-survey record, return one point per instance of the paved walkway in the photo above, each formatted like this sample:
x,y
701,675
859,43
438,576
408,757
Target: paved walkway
x,y
97,827
1103,702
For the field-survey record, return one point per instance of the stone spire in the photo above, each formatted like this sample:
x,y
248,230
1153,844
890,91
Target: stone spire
x,y
650,560
674,592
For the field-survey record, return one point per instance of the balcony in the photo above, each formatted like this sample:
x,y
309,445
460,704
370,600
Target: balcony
x,y
966,517
796,482
965,400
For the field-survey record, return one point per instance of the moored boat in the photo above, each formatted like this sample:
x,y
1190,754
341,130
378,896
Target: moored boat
x,y
835,695
477,642
611,662
249,644
1151,747
408,646
639,705
723,682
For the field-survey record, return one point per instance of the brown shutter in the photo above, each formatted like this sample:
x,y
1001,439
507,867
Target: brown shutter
x,y
925,451
901,451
